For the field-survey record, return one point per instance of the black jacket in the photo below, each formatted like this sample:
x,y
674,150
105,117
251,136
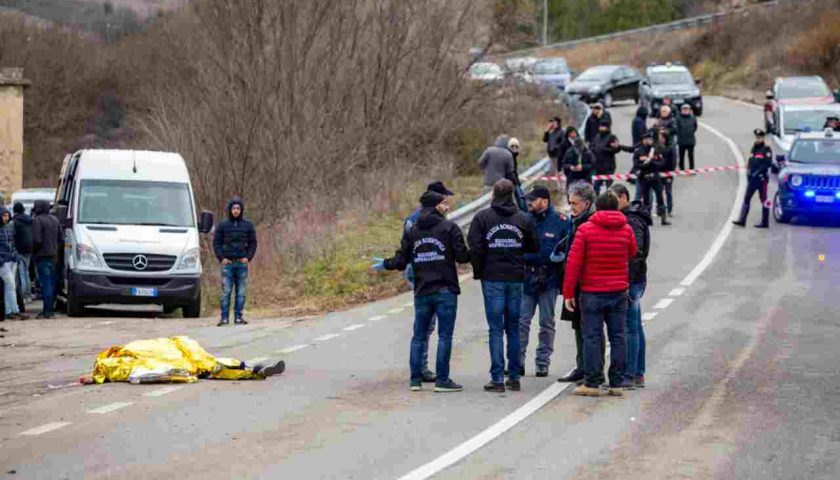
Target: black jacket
x,y
686,128
584,158
432,246
577,221
604,152
23,233
46,231
499,238
592,125
235,238
669,157
553,141
639,219
647,171
639,126
669,123
761,160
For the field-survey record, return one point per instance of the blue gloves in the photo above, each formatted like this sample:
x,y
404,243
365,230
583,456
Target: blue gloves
x,y
378,264
556,257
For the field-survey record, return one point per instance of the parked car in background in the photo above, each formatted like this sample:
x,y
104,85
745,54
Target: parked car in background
x,y
810,90
672,81
520,70
606,83
552,72
809,183
28,196
487,73
789,120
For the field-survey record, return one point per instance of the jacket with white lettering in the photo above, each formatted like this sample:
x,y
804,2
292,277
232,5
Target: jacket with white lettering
x,y
499,238
761,160
431,247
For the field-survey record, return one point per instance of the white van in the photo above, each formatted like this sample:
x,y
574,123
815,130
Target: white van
x,y
131,234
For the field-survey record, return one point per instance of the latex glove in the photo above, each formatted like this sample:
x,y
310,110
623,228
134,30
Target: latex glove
x,y
378,264
557,257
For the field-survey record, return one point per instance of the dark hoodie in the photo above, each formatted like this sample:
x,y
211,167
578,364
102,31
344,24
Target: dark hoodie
x,y
499,238
431,246
23,230
639,126
7,240
46,231
235,238
605,152
639,219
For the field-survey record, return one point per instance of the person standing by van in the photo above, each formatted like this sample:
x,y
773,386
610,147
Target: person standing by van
x,y
23,244
235,244
8,266
46,236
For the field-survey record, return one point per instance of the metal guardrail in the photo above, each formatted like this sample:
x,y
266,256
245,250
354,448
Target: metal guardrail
x,y
464,215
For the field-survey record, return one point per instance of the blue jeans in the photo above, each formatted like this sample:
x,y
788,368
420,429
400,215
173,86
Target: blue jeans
x,y
46,278
596,310
409,277
234,276
635,332
8,271
502,307
546,300
23,275
444,306
597,184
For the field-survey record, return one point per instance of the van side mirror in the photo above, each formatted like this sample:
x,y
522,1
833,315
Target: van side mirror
x,y
60,212
205,222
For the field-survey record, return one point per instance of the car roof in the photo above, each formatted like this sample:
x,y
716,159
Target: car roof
x,y
119,165
666,68
820,135
799,107
801,78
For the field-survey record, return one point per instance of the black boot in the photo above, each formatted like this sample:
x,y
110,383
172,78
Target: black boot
x,y
742,220
765,218
665,220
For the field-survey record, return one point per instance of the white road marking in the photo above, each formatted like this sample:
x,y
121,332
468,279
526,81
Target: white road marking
x,y
746,104
354,327
376,318
465,277
396,310
727,227
110,408
255,361
439,464
664,303
162,391
676,292
106,323
45,428
408,304
329,336
649,316
292,349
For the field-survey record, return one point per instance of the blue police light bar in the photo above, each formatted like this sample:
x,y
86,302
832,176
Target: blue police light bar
x,y
837,195
810,194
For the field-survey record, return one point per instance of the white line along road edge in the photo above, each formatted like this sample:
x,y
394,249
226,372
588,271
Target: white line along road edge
x,y
465,449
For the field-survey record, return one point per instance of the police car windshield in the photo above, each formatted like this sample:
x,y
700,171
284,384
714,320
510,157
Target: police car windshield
x,y
801,120
597,73
823,151
671,78
803,88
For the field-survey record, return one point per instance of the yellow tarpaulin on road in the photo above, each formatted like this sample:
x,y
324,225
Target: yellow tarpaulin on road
x,y
177,359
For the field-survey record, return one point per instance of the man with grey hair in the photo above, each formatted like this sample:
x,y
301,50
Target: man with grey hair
x,y
497,163
582,203
498,239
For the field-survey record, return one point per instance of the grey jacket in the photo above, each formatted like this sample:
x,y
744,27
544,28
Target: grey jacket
x,y
497,163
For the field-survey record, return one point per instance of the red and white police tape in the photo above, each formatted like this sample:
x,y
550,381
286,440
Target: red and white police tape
x,y
673,173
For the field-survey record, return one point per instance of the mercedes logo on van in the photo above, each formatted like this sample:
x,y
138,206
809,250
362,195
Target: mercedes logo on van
x,y
140,262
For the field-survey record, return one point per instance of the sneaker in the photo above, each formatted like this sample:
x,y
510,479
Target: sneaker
x,y
615,392
428,376
416,385
628,384
240,321
585,391
270,370
542,372
513,385
573,376
448,386
640,381
495,387
739,223
223,323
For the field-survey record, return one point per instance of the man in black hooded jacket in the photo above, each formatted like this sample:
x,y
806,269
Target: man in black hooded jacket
x,y
235,244
605,146
432,247
499,238
639,125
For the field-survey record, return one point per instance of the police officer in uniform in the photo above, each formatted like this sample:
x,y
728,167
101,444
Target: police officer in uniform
x,y
648,163
758,172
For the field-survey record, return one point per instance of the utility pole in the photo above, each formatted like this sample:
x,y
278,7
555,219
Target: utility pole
x,y
545,22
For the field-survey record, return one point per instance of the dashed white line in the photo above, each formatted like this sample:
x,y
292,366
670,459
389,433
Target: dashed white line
x,y
162,391
676,292
376,318
292,349
110,407
354,327
396,310
329,336
49,427
664,303
649,315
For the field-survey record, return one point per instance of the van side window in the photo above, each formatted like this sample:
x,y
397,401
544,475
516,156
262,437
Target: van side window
x,y
66,195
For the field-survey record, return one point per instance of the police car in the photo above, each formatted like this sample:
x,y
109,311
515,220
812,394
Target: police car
x,y
671,80
809,183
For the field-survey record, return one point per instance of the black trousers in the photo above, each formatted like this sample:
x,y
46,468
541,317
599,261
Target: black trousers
x,y
690,150
755,184
653,186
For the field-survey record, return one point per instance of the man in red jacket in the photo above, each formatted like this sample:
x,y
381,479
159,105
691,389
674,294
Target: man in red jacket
x,y
599,260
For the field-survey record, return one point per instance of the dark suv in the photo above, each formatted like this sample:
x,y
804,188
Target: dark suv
x,y
809,183
672,81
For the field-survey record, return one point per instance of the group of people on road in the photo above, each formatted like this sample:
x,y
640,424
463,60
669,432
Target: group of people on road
x,y
596,258
28,247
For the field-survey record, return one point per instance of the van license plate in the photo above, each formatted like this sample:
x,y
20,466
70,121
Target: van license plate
x,y
144,292
824,199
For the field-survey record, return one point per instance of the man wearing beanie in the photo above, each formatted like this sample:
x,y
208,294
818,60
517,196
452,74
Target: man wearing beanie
x,y
432,247
23,244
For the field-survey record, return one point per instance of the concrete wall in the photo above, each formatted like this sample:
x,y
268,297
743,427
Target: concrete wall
x,y
12,85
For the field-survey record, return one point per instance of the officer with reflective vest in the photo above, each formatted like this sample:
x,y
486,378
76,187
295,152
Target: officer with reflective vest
x,y
758,173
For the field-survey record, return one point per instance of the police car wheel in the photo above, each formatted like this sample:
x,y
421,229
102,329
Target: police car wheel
x,y
779,213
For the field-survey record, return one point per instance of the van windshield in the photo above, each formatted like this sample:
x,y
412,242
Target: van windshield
x,y
125,202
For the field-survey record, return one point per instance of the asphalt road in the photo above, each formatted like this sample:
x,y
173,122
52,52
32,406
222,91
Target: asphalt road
x,y
741,376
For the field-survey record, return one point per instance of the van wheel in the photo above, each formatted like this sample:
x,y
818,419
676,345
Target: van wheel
x,y
779,213
74,307
193,310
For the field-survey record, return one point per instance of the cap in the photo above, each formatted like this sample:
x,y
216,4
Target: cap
x,y
605,122
431,199
647,134
438,187
759,132
538,192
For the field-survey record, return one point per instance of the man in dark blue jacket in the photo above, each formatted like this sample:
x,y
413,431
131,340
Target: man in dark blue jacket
x,y
542,278
235,244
